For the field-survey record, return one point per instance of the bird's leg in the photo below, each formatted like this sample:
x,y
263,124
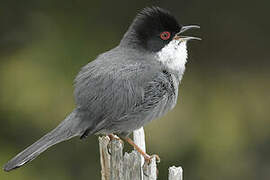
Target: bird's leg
x,y
147,157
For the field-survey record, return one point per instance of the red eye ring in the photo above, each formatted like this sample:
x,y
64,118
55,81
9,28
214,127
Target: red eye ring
x,y
165,35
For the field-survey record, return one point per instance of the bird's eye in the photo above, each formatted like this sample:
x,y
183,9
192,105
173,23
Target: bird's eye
x,y
165,35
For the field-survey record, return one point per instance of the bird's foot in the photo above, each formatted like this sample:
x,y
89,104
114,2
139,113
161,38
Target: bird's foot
x,y
148,158
147,161
113,137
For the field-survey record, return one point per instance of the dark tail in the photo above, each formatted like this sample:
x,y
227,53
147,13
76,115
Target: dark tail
x,y
64,131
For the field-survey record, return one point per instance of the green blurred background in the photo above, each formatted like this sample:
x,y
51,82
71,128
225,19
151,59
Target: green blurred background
x,y
220,126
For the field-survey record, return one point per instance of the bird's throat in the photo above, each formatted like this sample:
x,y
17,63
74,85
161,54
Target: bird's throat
x,y
174,56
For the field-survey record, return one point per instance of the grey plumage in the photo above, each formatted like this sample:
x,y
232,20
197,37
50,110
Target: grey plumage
x,y
129,91
113,95
67,129
124,88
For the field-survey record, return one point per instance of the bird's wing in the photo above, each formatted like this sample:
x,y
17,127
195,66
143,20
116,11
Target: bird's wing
x,y
123,97
158,96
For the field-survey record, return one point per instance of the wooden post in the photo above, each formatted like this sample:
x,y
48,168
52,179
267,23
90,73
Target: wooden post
x,y
104,157
115,166
175,173
130,166
116,162
139,139
150,171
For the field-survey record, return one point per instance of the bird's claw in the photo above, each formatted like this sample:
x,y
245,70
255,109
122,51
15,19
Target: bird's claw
x,y
148,158
147,161
157,158
112,137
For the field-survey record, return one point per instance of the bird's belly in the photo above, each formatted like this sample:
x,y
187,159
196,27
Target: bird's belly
x,y
160,110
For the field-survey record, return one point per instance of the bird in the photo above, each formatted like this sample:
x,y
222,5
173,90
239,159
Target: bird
x,y
126,87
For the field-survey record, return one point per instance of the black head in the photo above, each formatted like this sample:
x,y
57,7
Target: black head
x,y
151,29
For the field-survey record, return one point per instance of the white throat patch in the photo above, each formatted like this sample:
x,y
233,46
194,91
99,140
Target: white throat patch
x,y
174,56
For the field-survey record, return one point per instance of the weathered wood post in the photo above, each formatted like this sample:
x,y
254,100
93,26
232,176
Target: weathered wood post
x,y
130,166
175,173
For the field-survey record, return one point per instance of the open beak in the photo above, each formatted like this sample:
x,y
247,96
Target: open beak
x,y
181,38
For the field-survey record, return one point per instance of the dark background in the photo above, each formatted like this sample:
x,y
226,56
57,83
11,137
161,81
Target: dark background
x,y
220,126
